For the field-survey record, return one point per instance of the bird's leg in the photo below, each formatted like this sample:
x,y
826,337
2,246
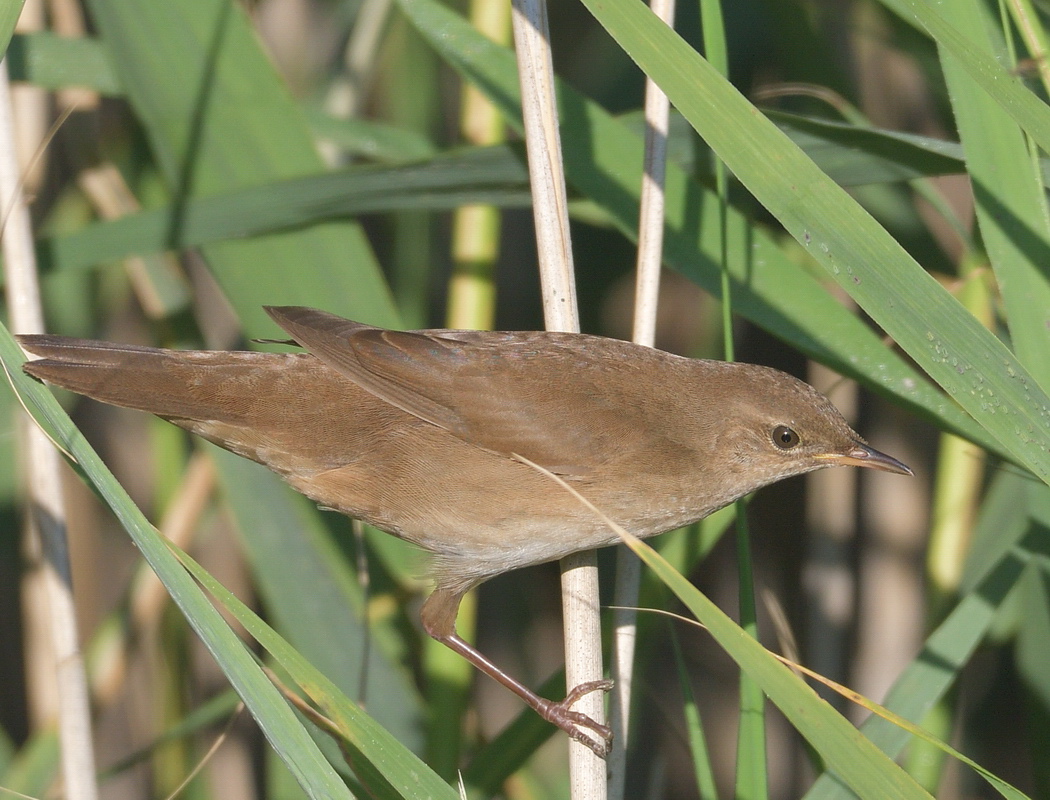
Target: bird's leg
x,y
439,621
574,723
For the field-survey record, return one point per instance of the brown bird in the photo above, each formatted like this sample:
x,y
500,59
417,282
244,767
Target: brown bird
x,y
422,434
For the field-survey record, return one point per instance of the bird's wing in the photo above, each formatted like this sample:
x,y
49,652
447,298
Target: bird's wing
x,y
493,390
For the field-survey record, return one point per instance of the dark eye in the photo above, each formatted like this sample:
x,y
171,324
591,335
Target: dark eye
x,y
784,437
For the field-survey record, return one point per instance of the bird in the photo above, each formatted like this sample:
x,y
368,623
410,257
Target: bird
x,y
444,438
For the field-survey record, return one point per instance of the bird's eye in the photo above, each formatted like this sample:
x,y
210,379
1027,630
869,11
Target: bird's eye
x,y
784,437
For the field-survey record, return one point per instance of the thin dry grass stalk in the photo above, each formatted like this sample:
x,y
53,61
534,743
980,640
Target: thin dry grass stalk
x,y
583,651
46,519
647,291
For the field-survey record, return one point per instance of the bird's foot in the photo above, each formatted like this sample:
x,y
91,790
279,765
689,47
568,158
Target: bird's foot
x,y
578,725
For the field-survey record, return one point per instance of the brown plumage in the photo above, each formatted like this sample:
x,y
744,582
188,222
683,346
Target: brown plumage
x,y
419,433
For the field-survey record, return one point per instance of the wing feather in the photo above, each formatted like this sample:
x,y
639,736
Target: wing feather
x,y
508,392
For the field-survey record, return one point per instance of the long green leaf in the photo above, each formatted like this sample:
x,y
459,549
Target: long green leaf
x,y
865,768
387,757
218,118
477,175
36,765
1009,197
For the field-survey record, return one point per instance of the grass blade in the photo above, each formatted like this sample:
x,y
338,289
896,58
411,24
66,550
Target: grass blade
x,y
862,766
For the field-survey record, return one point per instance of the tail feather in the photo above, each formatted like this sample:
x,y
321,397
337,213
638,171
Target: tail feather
x,y
173,384
288,411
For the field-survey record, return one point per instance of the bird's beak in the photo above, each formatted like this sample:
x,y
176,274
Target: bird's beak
x,y
861,455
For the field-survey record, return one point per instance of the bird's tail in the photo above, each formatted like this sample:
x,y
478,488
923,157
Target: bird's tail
x,y
173,384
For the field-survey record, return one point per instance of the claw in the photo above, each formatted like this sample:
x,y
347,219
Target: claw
x,y
576,724
585,689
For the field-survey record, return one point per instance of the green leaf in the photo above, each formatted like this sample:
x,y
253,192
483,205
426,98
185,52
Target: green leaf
x,y
59,62
35,766
386,758
858,156
9,14
474,175
1033,653
863,767
1009,195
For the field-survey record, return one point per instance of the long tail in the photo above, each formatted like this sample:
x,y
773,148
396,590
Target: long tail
x,y
174,384
288,411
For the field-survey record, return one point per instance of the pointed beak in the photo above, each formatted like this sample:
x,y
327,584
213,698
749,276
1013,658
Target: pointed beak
x,y
861,455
